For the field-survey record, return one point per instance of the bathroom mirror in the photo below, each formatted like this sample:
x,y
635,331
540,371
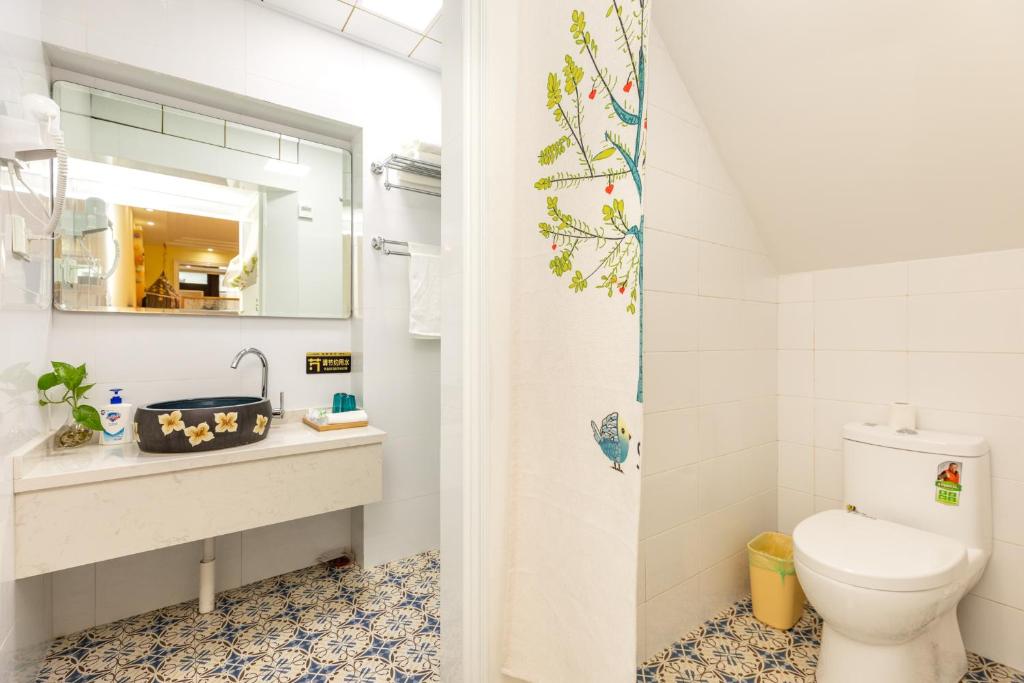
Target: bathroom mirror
x,y
170,211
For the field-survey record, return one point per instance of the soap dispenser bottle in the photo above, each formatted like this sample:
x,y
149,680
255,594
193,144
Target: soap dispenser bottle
x,y
115,419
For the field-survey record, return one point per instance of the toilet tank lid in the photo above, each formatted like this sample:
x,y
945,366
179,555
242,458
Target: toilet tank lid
x,y
921,440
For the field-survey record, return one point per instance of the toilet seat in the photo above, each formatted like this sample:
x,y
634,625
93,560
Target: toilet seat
x,y
877,554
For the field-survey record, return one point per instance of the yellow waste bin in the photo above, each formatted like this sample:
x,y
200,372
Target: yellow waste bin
x,y
776,594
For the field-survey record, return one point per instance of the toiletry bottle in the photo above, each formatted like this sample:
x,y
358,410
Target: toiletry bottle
x,y
116,421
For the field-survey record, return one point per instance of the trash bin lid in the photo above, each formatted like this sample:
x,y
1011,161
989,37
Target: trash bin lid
x,y
874,553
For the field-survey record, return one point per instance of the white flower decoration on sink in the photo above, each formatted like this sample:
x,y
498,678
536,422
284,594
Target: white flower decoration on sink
x,y
261,424
171,422
198,434
226,422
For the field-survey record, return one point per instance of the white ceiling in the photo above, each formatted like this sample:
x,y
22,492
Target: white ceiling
x,y
863,131
409,28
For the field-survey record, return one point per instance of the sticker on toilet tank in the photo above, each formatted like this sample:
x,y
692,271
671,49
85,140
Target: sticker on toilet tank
x,y
947,483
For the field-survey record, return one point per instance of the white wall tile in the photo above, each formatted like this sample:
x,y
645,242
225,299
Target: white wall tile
x,y
728,479
760,282
662,504
1005,436
796,326
1002,579
670,263
725,583
969,273
736,425
888,279
828,473
970,382
796,467
670,381
821,504
74,598
671,203
671,440
830,416
724,531
866,324
796,373
724,220
794,507
1008,510
796,287
671,615
796,419
721,271
671,558
992,630
971,321
678,148
736,375
861,376
281,548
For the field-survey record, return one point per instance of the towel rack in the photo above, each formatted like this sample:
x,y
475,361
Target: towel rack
x,y
384,246
402,164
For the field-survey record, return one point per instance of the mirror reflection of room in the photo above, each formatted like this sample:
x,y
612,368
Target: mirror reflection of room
x,y
170,211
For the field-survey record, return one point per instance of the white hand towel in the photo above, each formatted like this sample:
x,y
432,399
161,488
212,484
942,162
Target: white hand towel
x,y
424,292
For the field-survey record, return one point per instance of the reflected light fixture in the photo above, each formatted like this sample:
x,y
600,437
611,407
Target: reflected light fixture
x,y
286,168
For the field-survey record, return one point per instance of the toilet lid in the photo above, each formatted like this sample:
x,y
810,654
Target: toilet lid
x,y
873,553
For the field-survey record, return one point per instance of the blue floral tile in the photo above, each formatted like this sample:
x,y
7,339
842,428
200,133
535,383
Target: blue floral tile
x,y
316,625
734,647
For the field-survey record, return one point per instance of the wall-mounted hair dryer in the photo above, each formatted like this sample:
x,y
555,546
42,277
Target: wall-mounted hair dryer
x,y
33,137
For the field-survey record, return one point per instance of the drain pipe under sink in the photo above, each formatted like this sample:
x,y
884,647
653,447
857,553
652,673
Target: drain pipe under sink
x,y
207,575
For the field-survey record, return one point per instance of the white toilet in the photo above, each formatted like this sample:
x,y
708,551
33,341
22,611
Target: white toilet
x,y
887,573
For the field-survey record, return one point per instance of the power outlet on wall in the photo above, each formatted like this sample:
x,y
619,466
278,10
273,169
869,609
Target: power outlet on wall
x,y
18,231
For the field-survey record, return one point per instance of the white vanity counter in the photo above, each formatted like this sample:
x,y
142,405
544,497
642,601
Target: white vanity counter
x,y
102,502
94,463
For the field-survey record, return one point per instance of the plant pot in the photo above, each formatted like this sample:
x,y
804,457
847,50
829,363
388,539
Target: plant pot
x,y
72,435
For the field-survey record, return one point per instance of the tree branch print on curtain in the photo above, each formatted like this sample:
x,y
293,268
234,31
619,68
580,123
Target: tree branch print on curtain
x,y
600,252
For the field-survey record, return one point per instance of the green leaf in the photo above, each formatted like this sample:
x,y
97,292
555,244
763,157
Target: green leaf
x,y
87,416
604,154
579,283
543,184
47,381
80,391
554,90
64,371
549,154
573,75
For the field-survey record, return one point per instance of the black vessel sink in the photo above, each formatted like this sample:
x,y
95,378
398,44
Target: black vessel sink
x,y
202,424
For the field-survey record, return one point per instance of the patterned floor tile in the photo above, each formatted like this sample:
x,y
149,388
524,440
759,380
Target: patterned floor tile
x,y
315,625
736,647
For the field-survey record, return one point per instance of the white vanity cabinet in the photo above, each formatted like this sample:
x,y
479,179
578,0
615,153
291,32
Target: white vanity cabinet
x,y
102,502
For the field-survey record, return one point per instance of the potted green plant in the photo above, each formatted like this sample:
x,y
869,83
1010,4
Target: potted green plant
x,y
84,419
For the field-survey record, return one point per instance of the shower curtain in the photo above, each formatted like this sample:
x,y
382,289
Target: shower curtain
x,y
577,340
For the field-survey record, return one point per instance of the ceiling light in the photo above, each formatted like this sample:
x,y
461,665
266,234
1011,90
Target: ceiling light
x,y
209,249
416,14
150,223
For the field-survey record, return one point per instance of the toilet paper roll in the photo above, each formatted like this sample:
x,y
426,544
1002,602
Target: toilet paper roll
x,y
902,416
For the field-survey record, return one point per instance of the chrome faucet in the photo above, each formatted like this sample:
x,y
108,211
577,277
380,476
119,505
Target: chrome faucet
x,y
266,375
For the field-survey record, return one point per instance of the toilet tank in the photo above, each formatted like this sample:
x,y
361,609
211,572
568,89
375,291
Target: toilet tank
x,y
928,480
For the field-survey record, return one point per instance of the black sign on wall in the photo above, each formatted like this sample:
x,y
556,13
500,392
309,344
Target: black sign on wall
x,y
328,363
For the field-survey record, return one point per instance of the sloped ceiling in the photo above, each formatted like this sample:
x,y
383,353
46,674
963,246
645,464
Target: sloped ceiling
x,y
863,131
